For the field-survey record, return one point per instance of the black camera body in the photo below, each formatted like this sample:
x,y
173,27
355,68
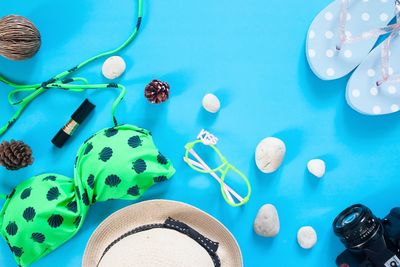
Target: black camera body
x,y
370,242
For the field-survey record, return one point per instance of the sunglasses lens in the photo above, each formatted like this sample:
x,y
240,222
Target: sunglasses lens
x,y
237,184
207,155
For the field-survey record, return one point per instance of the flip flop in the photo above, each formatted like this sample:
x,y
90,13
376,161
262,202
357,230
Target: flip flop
x,y
374,87
335,41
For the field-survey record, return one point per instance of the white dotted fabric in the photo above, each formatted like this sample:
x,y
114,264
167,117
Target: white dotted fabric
x,y
364,95
325,60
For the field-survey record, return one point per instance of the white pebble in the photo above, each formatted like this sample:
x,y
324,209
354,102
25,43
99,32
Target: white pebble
x,y
267,221
306,237
316,167
269,154
113,67
211,103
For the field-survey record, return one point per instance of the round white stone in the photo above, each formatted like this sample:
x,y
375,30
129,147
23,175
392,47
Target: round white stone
x,y
330,72
311,52
269,154
316,167
384,17
211,103
394,108
373,91
307,237
348,53
392,89
328,16
365,16
113,67
328,35
376,110
355,93
266,222
371,73
329,53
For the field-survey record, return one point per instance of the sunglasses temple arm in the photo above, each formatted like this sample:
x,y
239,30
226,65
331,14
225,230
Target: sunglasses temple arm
x,y
227,189
203,165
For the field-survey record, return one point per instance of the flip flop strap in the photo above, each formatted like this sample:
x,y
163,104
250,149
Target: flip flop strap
x,y
64,81
385,51
374,33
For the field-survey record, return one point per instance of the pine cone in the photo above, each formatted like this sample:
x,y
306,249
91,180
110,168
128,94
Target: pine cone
x,y
15,155
157,91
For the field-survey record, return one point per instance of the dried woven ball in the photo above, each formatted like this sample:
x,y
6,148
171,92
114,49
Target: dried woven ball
x,y
19,38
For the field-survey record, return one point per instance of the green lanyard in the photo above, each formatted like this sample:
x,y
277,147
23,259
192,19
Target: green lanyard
x,y
66,82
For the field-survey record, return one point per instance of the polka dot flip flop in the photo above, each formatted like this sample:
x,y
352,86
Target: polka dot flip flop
x,y
336,43
374,87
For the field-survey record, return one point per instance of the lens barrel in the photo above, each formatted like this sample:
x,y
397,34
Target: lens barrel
x,y
356,225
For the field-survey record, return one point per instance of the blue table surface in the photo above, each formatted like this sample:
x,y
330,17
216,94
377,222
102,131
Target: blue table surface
x,y
250,54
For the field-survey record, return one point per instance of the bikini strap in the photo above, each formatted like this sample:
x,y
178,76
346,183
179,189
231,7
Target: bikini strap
x,y
65,81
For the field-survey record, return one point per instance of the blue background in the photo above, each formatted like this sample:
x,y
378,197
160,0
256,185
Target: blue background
x,y
250,54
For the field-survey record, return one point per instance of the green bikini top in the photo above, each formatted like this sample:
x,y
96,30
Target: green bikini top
x,y
47,210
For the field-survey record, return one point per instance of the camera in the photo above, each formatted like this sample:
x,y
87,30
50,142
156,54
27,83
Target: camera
x,y
369,241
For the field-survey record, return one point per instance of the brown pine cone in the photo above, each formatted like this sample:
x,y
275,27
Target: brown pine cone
x,y
15,155
157,91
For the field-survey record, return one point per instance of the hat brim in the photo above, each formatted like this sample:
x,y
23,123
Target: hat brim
x,y
157,211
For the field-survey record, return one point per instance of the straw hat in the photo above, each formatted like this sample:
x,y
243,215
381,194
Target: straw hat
x,y
161,233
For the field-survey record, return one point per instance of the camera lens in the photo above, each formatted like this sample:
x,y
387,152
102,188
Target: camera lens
x,y
356,225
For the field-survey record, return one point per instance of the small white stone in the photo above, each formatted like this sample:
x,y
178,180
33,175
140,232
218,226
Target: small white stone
x,y
113,67
267,221
306,237
269,154
211,103
316,167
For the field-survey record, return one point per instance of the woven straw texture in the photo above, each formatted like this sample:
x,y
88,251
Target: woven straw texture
x,y
156,211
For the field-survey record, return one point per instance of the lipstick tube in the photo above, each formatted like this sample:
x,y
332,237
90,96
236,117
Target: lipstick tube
x,y
70,127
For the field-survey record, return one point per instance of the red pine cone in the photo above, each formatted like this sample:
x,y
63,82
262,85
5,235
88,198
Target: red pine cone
x,y
157,91
15,155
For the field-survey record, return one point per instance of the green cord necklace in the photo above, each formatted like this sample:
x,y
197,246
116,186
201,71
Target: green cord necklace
x,y
66,82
